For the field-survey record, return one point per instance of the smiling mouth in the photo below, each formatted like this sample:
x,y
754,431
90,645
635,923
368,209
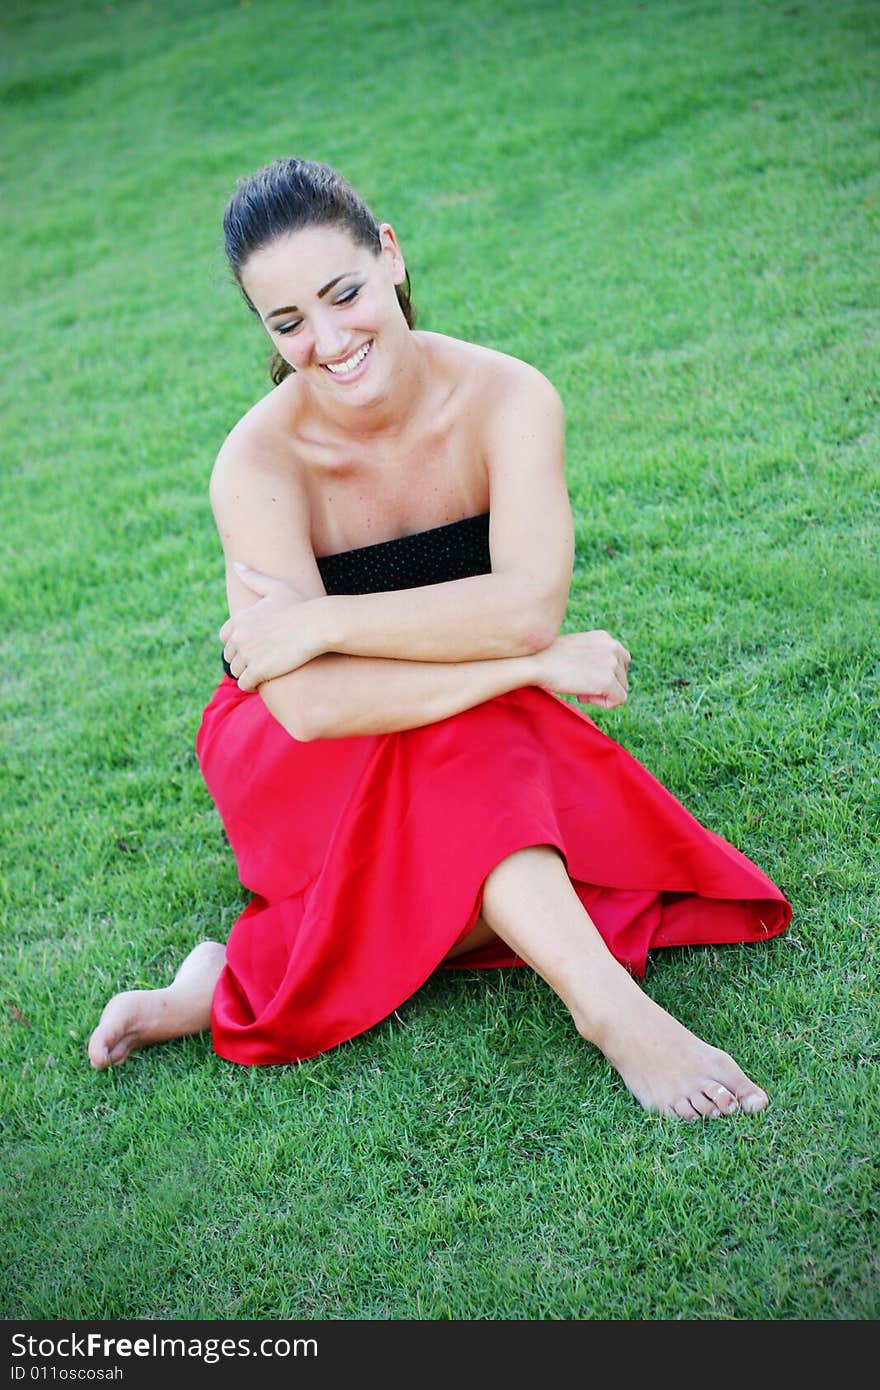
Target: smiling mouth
x,y
350,364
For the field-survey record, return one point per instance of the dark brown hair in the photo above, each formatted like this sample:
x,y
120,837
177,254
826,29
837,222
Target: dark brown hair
x,y
285,196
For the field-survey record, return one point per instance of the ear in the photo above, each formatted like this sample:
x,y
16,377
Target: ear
x,y
390,249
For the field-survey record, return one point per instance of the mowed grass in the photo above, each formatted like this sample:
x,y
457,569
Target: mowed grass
x,y
672,210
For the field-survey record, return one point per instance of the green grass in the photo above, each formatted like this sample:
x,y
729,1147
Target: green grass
x,y
672,210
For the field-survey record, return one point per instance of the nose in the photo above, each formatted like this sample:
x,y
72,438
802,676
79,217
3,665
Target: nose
x,y
330,339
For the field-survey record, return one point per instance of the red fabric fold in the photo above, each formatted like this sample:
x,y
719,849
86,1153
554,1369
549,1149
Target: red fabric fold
x,y
367,857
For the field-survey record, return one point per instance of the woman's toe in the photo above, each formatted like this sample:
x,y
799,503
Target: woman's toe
x,y
749,1097
701,1102
752,1100
720,1096
684,1110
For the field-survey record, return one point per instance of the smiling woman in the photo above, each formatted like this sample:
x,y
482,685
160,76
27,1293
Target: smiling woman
x,y
267,207
401,786
330,328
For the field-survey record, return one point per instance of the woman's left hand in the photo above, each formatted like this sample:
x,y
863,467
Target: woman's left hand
x,y
275,635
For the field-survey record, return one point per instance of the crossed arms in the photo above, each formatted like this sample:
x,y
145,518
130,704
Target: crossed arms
x,y
334,666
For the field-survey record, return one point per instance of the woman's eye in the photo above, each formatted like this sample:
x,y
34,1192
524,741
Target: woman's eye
x,y
347,297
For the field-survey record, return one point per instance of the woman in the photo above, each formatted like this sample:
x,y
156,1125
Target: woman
x,y
400,785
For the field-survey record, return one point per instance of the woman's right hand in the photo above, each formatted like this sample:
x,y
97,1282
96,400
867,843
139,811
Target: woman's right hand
x,y
590,665
275,635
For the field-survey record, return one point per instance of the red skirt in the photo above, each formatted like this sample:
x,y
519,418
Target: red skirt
x,y
367,858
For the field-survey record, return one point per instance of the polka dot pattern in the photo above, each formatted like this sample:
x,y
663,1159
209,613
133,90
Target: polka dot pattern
x,y
454,551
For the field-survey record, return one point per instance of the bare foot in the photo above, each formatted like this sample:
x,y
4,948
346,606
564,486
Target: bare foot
x,y
669,1069
139,1017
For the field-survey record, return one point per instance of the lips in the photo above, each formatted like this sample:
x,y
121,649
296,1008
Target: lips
x,y
350,366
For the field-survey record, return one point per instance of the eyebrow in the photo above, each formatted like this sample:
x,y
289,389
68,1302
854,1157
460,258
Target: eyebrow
x,y
325,289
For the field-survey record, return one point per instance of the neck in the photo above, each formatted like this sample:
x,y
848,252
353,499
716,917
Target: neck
x,y
393,412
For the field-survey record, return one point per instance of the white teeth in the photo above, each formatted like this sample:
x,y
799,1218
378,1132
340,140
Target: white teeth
x,y
340,368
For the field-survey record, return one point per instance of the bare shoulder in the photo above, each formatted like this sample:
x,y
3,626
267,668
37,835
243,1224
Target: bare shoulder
x,y
259,500
515,418
499,387
259,451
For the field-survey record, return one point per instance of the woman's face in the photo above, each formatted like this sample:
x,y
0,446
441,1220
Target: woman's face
x,y
330,307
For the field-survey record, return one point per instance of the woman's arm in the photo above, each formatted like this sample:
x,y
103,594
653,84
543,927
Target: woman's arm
x,y
514,611
337,696
261,509
340,696
518,608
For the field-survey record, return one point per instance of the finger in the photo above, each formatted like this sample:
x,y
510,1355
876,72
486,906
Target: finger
x,y
615,692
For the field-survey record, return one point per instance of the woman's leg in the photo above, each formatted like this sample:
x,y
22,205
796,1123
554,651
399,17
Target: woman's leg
x,y
529,901
142,1016
480,934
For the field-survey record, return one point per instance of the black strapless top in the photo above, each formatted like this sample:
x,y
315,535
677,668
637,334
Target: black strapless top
x,y
457,550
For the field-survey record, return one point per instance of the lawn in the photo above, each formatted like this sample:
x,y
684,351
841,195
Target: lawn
x,y
672,210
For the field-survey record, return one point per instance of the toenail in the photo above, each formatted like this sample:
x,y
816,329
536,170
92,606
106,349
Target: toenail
x,y
714,1113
